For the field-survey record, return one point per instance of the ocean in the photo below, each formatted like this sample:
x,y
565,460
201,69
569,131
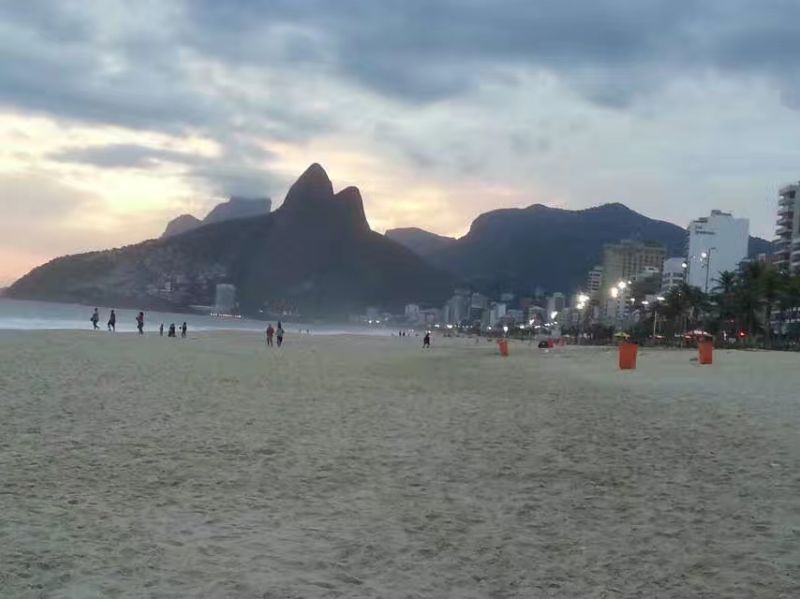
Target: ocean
x,y
23,315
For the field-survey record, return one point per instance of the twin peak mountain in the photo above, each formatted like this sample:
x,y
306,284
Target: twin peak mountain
x,y
317,256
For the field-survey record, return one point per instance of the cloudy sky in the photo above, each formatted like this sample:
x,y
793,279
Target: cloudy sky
x,y
116,116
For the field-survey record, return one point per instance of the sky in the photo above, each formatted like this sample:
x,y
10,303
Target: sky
x,y
117,116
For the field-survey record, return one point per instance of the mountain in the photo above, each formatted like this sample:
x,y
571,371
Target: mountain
x,y
519,249
181,224
235,207
419,241
238,207
315,254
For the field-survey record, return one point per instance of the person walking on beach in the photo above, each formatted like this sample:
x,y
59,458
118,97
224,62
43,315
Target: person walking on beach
x,y
171,332
112,322
140,322
426,341
95,319
183,330
270,333
161,330
279,334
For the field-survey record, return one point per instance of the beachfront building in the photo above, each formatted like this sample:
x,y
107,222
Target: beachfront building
x,y
457,308
594,281
786,256
556,303
515,316
673,273
497,312
616,304
225,298
626,260
717,243
412,313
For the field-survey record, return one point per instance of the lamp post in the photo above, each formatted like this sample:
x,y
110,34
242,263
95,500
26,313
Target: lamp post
x,y
582,300
707,257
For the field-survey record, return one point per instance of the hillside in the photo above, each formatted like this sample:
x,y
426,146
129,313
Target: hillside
x,y
419,241
520,249
316,254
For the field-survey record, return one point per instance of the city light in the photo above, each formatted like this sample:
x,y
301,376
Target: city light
x,y
661,298
553,315
614,292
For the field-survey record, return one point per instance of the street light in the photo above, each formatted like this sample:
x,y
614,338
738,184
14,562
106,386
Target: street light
x,y
707,257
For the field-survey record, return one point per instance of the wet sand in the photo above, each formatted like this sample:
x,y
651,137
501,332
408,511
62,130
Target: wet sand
x,y
366,467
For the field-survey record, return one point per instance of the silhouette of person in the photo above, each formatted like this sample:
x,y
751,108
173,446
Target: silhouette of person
x,y
183,330
161,330
95,319
426,341
270,333
171,332
279,334
140,322
112,321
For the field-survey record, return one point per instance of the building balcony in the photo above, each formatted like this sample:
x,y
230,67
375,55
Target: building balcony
x,y
779,242
782,230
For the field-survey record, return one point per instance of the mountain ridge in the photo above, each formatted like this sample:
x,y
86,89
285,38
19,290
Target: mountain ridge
x,y
518,249
315,255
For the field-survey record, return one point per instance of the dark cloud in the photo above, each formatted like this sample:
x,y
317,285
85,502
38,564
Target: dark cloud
x,y
182,67
239,171
122,156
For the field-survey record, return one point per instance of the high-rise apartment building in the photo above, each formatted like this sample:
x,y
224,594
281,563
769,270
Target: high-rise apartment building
x,y
673,273
786,256
717,242
594,281
627,259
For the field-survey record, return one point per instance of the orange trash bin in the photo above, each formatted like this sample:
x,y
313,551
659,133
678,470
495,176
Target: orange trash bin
x,y
503,345
627,355
705,351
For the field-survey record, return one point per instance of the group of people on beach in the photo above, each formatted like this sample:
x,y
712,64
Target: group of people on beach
x,y
277,333
112,324
112,320
171,332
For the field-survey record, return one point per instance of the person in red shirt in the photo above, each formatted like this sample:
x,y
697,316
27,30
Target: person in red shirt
x,y
270,334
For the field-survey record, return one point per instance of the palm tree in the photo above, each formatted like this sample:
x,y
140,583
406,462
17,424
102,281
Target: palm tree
x,y
724,293
771,284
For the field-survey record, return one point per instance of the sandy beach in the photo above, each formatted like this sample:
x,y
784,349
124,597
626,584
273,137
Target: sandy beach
x,y
365,467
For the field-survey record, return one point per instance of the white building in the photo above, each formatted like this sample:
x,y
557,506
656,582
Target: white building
x,y
673,274
496,312
717,243
457,308
225,300
787,234
412,312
